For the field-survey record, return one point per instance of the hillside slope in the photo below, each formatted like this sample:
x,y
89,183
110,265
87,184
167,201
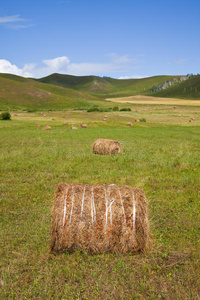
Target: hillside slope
x,y
24,93
188,89
106,87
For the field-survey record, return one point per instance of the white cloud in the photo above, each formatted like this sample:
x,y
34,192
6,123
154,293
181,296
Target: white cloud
x,y
132,77
12,22
7,67
177,62
10,19
19,26
63,65
57,63
120,59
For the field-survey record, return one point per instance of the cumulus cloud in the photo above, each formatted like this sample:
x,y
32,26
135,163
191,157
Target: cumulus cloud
x,y
63,65
57,63
7,67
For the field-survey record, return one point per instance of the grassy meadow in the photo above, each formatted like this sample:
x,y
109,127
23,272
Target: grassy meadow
x,y
161,156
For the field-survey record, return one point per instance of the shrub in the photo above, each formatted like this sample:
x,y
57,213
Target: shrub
x,y
104,109
93,109
115,108
31,110
125,109
143,120
5,116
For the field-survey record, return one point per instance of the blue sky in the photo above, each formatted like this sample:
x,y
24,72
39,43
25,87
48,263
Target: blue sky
x,y
117,38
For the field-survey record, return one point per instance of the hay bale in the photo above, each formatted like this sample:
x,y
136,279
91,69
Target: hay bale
x,y
47,128
53,119
65,123
83,125
38,125
44,115
129,124
99,218
104,119
106,147
74,127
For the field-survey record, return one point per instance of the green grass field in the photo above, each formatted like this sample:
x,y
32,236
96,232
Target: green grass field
x,y
161,156
106,87
23,93
59,92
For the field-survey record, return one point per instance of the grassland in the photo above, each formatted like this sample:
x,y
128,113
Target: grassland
x,y
189,89
111,88
22,93
106,87
161,156
58,92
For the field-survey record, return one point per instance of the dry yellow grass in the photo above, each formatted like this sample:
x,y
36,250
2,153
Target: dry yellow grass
x,y
140,99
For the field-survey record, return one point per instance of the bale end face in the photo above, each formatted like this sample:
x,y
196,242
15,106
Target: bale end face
x,y
99,218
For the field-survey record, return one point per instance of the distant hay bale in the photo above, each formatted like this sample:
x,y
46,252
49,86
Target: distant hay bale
x,y
99,218
74,127
44,115
47,128
106,147
137,120
38,125
65,123
53,119
129,124
83,125
104,119
105,116
192,119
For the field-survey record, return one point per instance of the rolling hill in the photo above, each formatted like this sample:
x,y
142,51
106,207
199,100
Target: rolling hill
x,y
57,91
22,93
188,89
106,87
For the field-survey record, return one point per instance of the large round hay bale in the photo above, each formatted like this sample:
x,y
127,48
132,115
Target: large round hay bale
x,y
106,147
99,218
